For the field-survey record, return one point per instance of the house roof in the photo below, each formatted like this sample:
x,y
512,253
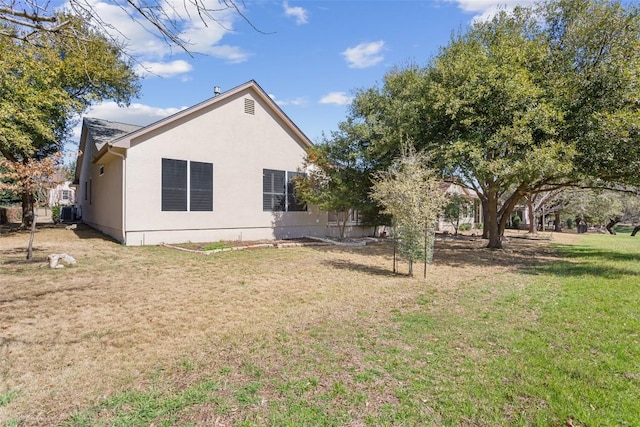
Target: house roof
x,y
99,132
445,186
121,135
103,131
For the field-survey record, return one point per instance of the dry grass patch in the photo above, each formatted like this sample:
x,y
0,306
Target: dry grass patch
x,y
137,318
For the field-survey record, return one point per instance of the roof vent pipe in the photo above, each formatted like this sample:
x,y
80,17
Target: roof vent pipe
x,y
216,90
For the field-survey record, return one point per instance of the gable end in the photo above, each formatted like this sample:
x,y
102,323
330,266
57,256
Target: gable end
x,y
249,106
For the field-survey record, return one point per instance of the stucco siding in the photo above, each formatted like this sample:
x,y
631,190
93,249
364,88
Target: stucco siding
x,y
240,146
100,200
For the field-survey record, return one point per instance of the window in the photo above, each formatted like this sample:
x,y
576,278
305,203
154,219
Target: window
x,y
174,185
178,192
278,194
65,195
101,171
201,186
273,190
294,204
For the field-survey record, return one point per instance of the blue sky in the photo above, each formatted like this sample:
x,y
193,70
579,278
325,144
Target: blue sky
x,y
313,57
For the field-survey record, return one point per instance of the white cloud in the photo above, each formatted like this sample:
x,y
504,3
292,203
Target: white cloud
x,y
485,9
300,13
298,102
163,69
134,114
141,38
231,54
364,55
337,98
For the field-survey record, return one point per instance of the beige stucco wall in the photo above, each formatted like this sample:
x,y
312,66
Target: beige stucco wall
x,y
99,196
239,146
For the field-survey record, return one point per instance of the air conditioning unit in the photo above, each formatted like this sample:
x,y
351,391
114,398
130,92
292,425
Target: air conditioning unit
x,y
68,214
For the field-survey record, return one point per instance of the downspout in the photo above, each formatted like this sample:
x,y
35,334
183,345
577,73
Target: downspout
x,y
124,193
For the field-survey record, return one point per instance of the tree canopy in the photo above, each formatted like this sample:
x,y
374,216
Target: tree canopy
x,y
45,83
532,100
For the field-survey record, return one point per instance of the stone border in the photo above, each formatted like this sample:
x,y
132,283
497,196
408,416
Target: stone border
x,y
256,246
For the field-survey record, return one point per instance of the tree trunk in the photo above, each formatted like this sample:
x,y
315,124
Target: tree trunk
x,y
485,215
611,224
491,222
635,230
532,217
31,236
342,225
556,223
27,209
502,223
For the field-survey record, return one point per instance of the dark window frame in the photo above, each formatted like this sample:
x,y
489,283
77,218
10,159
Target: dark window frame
x,y
274,190
174,185
200,187
186,186
278,191
294,204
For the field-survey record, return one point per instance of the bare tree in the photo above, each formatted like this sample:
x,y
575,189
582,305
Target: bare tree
x,y
22,19
32,177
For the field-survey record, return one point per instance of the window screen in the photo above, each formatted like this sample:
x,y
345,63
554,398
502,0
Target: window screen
x,y
273,190
294,203
174,185
201,186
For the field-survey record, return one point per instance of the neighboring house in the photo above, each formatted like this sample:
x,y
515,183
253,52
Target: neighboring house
x,y
220,170
472,215
62,195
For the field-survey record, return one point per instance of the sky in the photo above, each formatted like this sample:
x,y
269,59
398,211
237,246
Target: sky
x,y
310,56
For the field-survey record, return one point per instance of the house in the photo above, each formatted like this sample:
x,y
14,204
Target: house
x,y
219,170
471,212
63,193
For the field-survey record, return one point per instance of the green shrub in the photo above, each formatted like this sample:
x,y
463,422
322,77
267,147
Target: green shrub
x,y
55,213
569,222
515,221
478,225
215,245
464,227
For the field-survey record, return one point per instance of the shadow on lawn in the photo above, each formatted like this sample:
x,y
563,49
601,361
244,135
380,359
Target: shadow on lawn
x,y
586,252
35,295
577,261
368,269
457,253
532,257
83,231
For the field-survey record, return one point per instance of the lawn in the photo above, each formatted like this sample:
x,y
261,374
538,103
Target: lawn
x,y
541,333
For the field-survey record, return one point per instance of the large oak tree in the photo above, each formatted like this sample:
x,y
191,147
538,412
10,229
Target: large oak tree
x,y
46,82
530,101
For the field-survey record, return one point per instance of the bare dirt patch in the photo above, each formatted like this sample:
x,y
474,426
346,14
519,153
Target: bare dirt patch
x,y
71,336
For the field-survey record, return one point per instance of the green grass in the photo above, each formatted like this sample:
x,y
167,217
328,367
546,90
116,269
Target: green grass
x,y
554,344
625,229
215,246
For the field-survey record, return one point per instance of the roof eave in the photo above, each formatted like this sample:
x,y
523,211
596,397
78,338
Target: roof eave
x,y
125,140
